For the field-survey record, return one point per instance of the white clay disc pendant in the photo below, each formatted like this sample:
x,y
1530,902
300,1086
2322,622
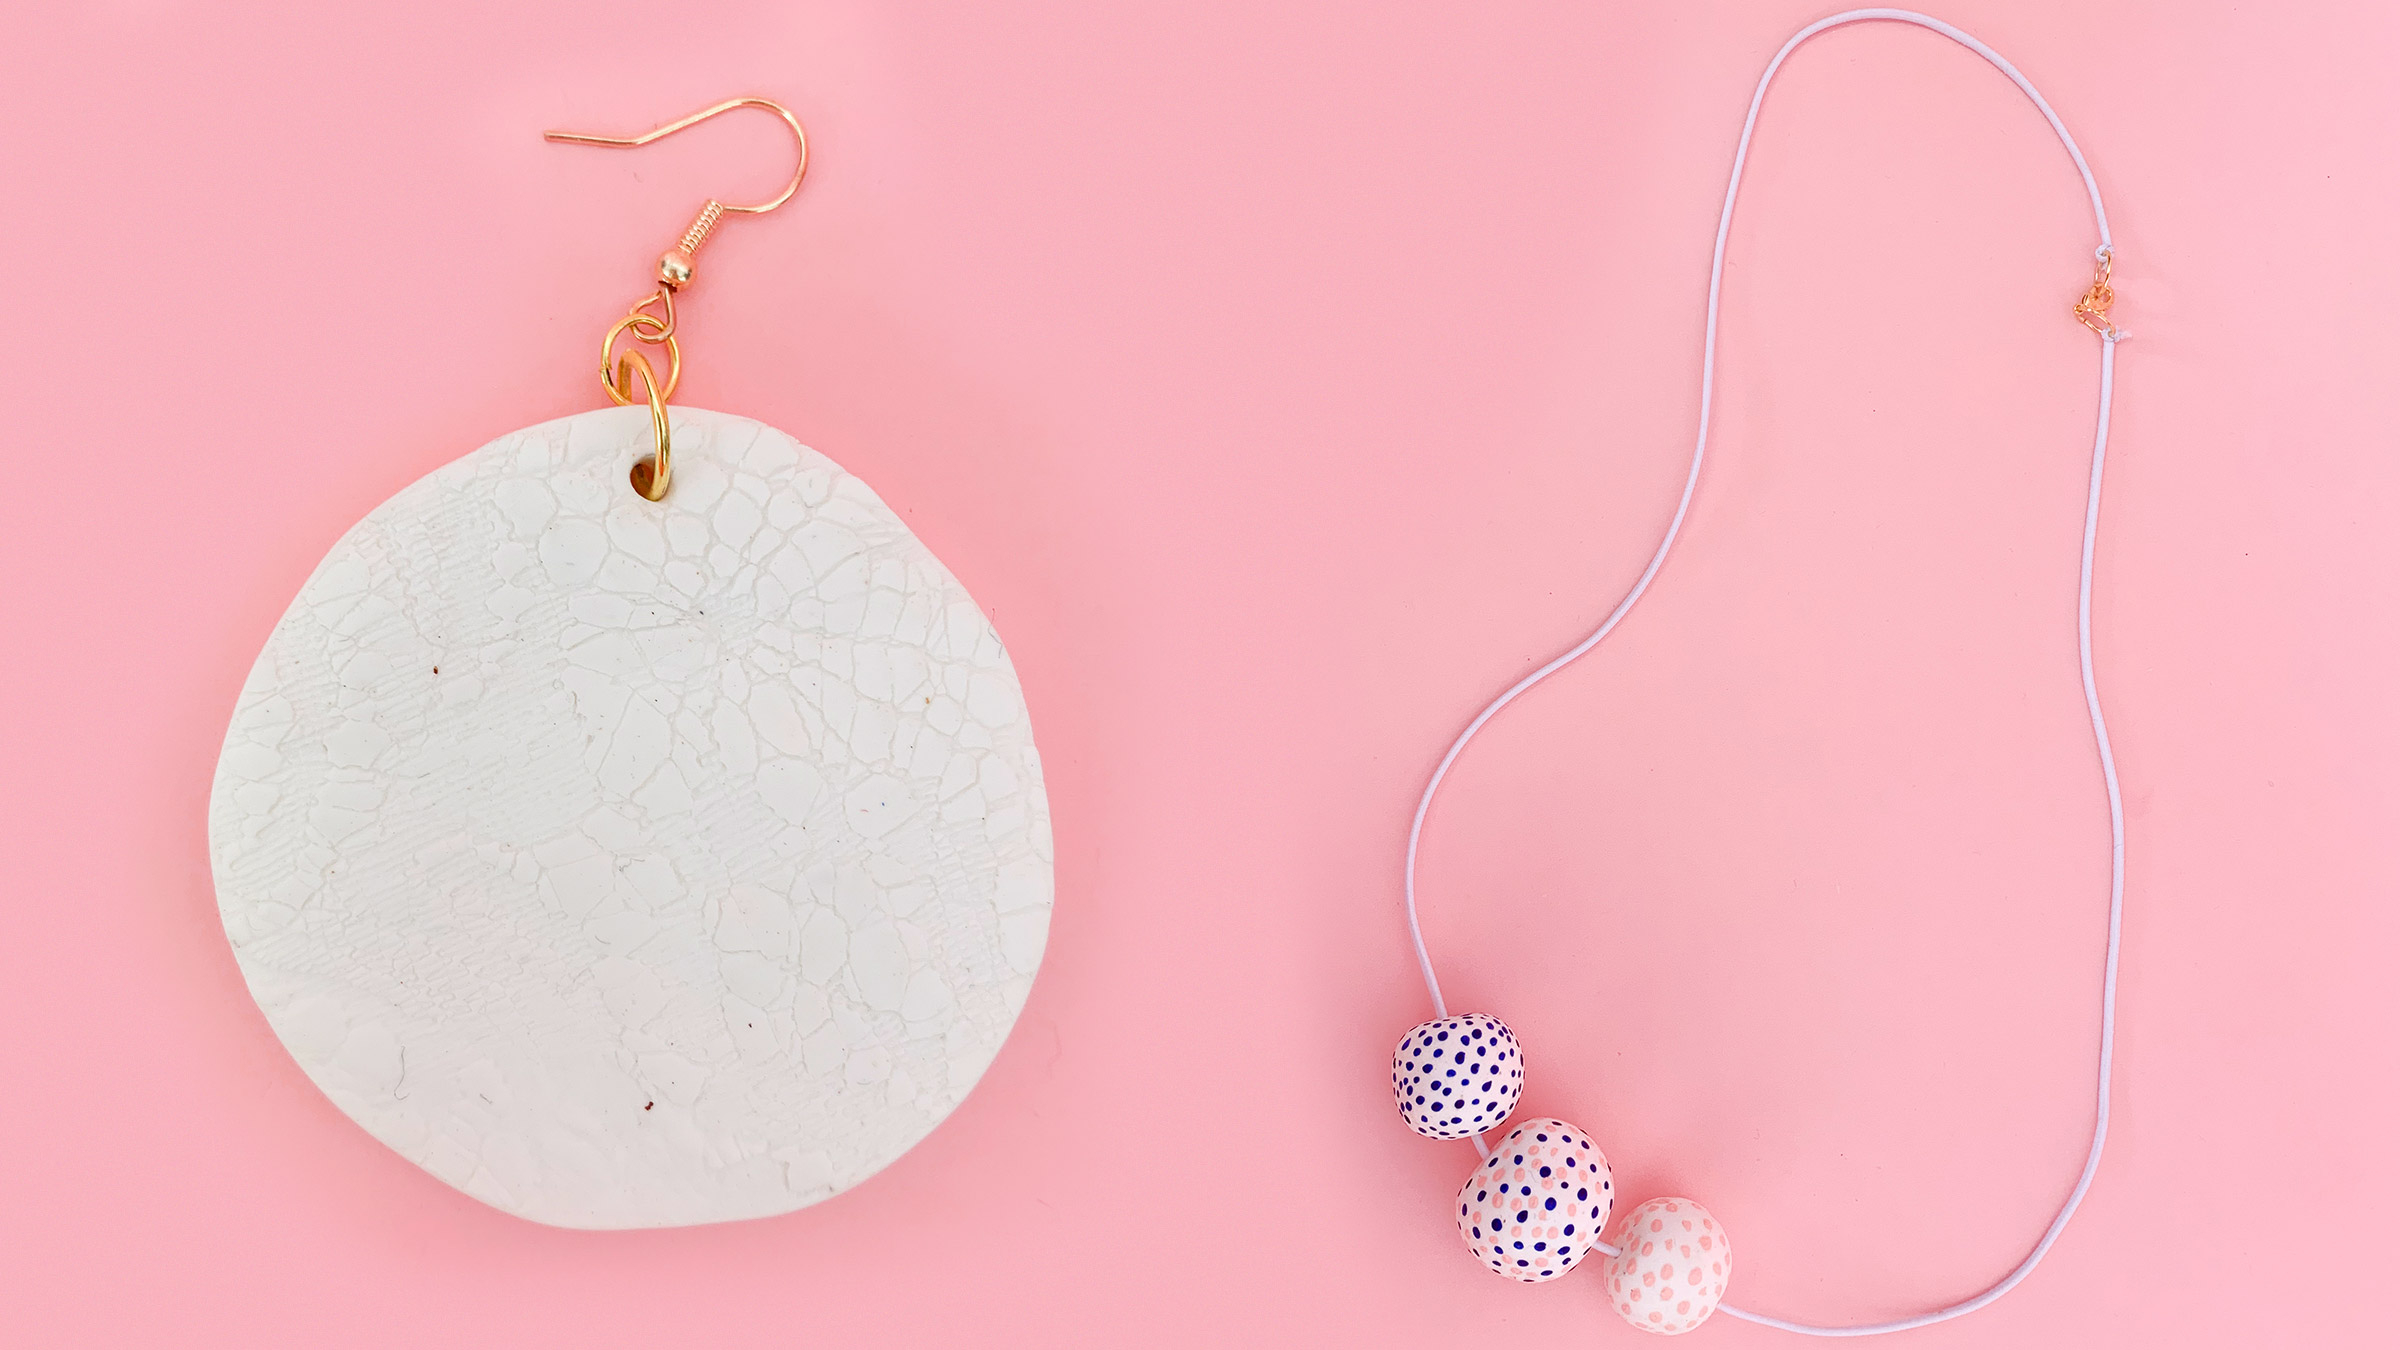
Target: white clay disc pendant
x,y
626,864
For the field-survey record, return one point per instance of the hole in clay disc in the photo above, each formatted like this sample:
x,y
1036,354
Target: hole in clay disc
x,y
640,477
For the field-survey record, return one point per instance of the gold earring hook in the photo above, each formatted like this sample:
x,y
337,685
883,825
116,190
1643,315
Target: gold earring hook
x,y
675,267
656,327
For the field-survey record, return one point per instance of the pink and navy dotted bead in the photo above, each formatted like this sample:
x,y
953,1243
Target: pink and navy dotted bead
x,y
1457,1076
1537,1204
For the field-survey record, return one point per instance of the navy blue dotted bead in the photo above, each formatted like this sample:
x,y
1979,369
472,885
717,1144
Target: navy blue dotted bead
x,y
1457,1076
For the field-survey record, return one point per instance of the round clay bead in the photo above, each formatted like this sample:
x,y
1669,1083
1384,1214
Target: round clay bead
x,y
1538,1202
1457,1076
1672,1262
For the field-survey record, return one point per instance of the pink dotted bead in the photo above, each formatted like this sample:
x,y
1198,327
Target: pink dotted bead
x,y
1538,1202
1672,1262
1457,1076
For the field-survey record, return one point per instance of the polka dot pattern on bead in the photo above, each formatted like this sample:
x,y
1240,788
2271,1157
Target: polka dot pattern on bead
x,y
1457,1076
1538,1202
1672,1262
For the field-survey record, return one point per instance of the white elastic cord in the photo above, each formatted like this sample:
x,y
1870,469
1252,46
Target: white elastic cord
x,y
2083,635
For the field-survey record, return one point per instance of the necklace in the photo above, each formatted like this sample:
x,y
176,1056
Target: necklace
x,y
1538,1202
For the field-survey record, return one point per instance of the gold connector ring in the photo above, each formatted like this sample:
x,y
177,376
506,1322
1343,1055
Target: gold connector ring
x,y
649,476
612,368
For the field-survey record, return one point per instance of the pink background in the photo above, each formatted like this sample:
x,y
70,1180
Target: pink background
x,y
1284,380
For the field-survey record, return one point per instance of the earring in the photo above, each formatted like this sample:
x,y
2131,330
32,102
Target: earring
x,y
632,823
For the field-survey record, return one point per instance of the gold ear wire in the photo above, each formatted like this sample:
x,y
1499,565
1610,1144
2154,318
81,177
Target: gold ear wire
x,y
652,319
675,266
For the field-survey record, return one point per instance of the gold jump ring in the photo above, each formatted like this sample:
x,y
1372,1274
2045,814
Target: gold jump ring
x,y
612,369
649,476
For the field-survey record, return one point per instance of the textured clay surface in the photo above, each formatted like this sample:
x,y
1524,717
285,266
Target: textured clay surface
x,y
628,864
